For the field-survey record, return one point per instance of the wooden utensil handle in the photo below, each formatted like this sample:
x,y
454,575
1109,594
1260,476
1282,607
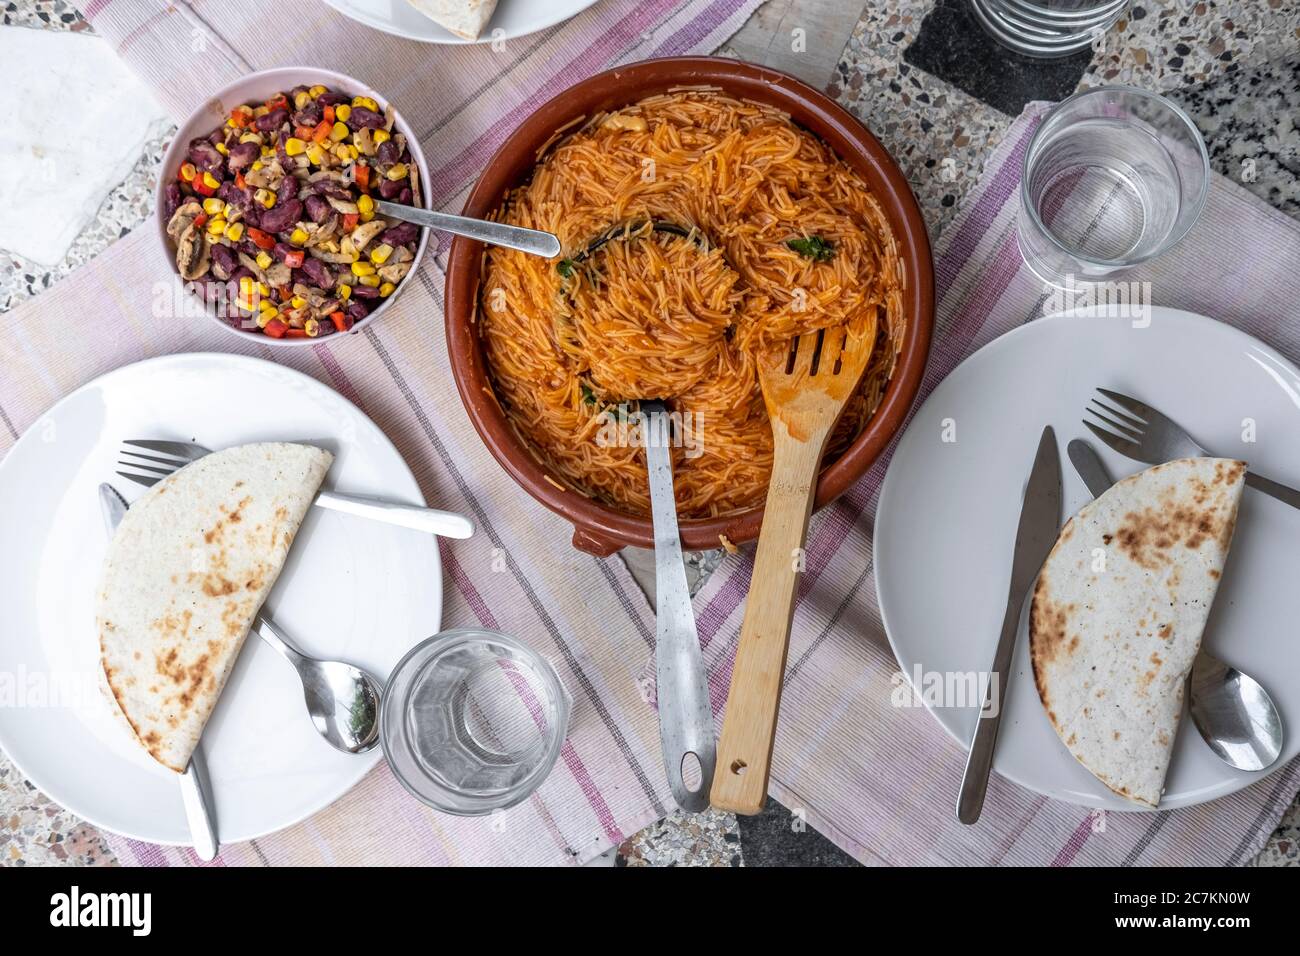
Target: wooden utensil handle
x,y
749,727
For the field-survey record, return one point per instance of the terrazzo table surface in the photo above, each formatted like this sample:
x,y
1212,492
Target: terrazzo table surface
x,y
939,94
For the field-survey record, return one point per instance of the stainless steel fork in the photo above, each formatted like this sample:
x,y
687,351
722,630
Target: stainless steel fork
x,y
169,456
1144,434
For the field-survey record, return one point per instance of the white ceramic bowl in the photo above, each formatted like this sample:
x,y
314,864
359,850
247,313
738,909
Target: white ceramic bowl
x,y
256,88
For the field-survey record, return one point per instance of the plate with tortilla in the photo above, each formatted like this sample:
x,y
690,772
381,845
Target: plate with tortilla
x,y
197,554
1095,711
459,21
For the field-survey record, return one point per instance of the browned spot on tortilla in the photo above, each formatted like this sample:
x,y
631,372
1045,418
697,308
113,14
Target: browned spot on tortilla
x,y
214,585
1074,644
1116,735
1107,538
136,655
1147,536
1166,633
1074,739
1163,739
1068,531
152,739
1214,573
1145,681
1047,634
1155,659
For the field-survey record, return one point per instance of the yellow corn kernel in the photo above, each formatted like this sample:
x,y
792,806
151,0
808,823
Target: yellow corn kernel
x,y
342,112
297,302
386,290
341,151
365,101
339,132
264,318
345,292
294,146
247,284
211,181
316,91
380,136
312,328
213,206
263,288
396,171
362,269
265,197
261,110
379,255
298,236
266,305
264,260
235,231
301,98
221,148
372,281
250,138
365,204
216,226
257,164
315,155
267,151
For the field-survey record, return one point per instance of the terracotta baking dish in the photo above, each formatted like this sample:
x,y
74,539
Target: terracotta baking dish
x,y
600,529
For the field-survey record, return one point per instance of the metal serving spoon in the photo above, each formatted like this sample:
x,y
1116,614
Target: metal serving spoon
x,y
343,700
1233,712
532,241
685,714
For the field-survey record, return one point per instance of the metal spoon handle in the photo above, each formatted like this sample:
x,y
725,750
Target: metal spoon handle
x,y
268,632
494,233
197,799
685,714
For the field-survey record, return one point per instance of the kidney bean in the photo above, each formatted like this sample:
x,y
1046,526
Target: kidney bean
x,y
253,217
360,291
400,234
390,189
205,156
171,199
224,257
330,98
242,156
361,117
356,311
318,210
405,196
281,216
271,121
318,273
388,153
230,193
309,115
330,187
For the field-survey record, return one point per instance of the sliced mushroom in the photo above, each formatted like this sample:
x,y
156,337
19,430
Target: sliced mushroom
x,y
345,206
364,140
268,176
413,173
394,271
181,219
278,275
362,235
249,263
192,256
337,258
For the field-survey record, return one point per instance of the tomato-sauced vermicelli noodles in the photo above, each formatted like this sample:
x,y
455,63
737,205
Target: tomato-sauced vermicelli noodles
x,y
698,230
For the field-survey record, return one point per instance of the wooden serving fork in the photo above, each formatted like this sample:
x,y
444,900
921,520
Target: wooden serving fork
x,y
805,390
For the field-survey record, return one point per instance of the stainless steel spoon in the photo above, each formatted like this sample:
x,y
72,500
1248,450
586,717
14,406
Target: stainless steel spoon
x,y
1235,715
685,714
343,700
532,241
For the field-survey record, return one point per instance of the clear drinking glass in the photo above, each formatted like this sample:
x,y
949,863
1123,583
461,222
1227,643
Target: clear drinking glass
x,y
1113,176
1047,28
473,721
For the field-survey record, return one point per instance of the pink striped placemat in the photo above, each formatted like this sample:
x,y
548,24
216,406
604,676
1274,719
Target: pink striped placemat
x,y
882,781
518,574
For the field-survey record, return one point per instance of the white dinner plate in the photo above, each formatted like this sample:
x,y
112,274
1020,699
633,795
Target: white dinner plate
x,y
513,18
352,589
947,517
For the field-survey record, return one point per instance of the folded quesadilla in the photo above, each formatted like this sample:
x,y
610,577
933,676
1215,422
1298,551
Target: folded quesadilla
x,y
185,575
1118,613
465,18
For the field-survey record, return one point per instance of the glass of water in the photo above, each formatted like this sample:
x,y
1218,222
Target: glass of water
x,y
473,721
1047,28
1113,176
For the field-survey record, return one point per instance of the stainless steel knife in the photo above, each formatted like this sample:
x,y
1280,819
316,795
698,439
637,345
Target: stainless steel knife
x,y
195,793
1040,521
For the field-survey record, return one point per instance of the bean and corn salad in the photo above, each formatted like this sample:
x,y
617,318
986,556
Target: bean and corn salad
x,y
273,214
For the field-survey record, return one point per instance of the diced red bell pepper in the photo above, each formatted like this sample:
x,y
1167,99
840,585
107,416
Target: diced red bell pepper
x,y
277,102
261,239
303,133
350,221
342,321
201,220
362,175
296,333
276,329
239,181
201,187
295,258
322,131
329,116
241,116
